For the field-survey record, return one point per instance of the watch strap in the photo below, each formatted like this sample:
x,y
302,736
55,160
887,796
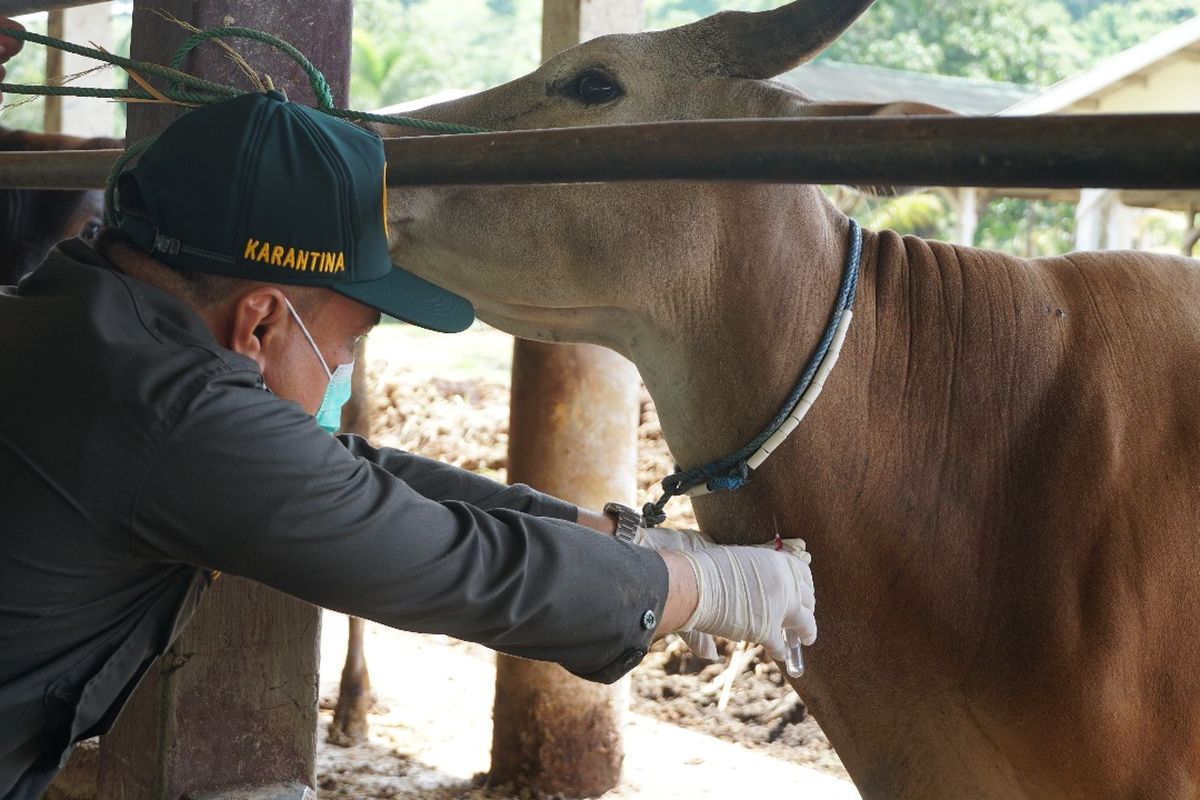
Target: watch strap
x,y
629,522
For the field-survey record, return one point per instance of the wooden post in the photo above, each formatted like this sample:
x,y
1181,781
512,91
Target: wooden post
x,y
233,703
573,433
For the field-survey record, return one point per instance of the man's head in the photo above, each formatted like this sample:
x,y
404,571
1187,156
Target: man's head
x,y
252,318
256,200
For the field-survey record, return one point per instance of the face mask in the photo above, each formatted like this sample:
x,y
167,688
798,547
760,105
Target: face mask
x,y
329,415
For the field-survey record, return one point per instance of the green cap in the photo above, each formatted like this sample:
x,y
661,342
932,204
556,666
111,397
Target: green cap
x,y
264,189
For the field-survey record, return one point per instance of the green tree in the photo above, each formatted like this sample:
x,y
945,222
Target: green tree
x,y
924,214
1026,228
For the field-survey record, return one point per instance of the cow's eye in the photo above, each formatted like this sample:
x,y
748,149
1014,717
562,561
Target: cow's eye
x,y
91,231
594,87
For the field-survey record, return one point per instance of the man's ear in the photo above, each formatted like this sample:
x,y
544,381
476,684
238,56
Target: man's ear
x,y
258,325
903,108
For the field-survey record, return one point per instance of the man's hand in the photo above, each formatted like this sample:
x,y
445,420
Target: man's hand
x,y
754,594
9,47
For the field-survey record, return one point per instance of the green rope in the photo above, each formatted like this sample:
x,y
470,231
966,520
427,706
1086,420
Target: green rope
x,y
198,91
209,92
320,87
131,93
147,67
404,122
114,175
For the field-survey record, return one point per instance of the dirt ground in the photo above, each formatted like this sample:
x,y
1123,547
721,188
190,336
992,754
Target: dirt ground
x,y
747,710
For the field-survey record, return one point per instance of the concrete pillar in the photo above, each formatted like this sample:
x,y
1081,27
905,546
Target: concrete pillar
x,y
1089,219
319,30
573,433
966,203
1102,221
233,703
566,23
80,116
1192,235
1118,229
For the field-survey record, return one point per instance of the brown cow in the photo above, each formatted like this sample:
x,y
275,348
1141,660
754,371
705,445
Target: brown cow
x,y
1000,485
33,221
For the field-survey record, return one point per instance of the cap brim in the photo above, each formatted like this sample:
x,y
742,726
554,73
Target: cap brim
x,y
415,300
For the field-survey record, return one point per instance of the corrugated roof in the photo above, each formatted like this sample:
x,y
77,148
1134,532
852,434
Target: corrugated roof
x,y
834,80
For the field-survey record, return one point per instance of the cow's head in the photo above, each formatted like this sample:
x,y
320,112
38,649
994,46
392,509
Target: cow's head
x,y
33,221
578,262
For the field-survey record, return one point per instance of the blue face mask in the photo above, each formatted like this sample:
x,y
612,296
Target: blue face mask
x,y
329,415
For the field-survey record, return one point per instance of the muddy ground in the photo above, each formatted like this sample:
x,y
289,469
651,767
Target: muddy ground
x,y
465,421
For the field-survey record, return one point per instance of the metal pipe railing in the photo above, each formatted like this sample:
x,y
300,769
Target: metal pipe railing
x,y
1146,151
15,8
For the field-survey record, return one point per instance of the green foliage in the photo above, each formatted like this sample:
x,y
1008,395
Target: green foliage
x,y
1004,40
1026,228
409,48
925,214
1020,41
412,48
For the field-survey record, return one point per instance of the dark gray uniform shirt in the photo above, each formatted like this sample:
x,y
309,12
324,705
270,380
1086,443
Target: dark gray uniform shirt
x,y
136,455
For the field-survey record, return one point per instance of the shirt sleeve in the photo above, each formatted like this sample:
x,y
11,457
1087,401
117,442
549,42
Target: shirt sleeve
x,y
439,481
246,483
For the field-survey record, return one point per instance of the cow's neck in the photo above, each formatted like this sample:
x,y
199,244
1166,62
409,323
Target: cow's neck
x,y
720,366
852,480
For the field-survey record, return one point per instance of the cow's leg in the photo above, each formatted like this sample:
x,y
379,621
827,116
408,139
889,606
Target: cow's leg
x,y
354,695
349,724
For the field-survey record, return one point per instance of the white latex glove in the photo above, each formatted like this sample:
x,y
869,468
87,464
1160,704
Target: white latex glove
x,y
701,644
671,539
754,594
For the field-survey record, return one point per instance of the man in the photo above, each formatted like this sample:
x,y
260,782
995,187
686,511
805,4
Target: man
x,y
159,431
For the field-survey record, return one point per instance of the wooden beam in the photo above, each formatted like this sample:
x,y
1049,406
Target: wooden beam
x,y
1143,151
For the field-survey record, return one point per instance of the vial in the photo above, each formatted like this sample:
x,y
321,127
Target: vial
x,y
795,658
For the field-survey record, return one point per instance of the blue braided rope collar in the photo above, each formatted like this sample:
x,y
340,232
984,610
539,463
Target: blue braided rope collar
x,y
733,471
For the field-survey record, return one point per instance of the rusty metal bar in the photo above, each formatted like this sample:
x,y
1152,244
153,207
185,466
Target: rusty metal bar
x,y
1147,151
13,8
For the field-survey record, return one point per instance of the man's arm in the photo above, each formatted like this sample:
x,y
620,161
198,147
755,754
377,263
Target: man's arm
x,y
439,481
245,483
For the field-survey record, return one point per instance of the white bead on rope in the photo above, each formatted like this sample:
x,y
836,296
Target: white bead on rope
x,y
792,421
809,397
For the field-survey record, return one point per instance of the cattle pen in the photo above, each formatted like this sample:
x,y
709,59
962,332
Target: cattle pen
x,y
193,756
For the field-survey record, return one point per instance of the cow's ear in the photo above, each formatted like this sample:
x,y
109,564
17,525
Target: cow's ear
x,y
903,108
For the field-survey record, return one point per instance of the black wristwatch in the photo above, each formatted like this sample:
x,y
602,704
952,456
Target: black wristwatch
x,y
629,522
